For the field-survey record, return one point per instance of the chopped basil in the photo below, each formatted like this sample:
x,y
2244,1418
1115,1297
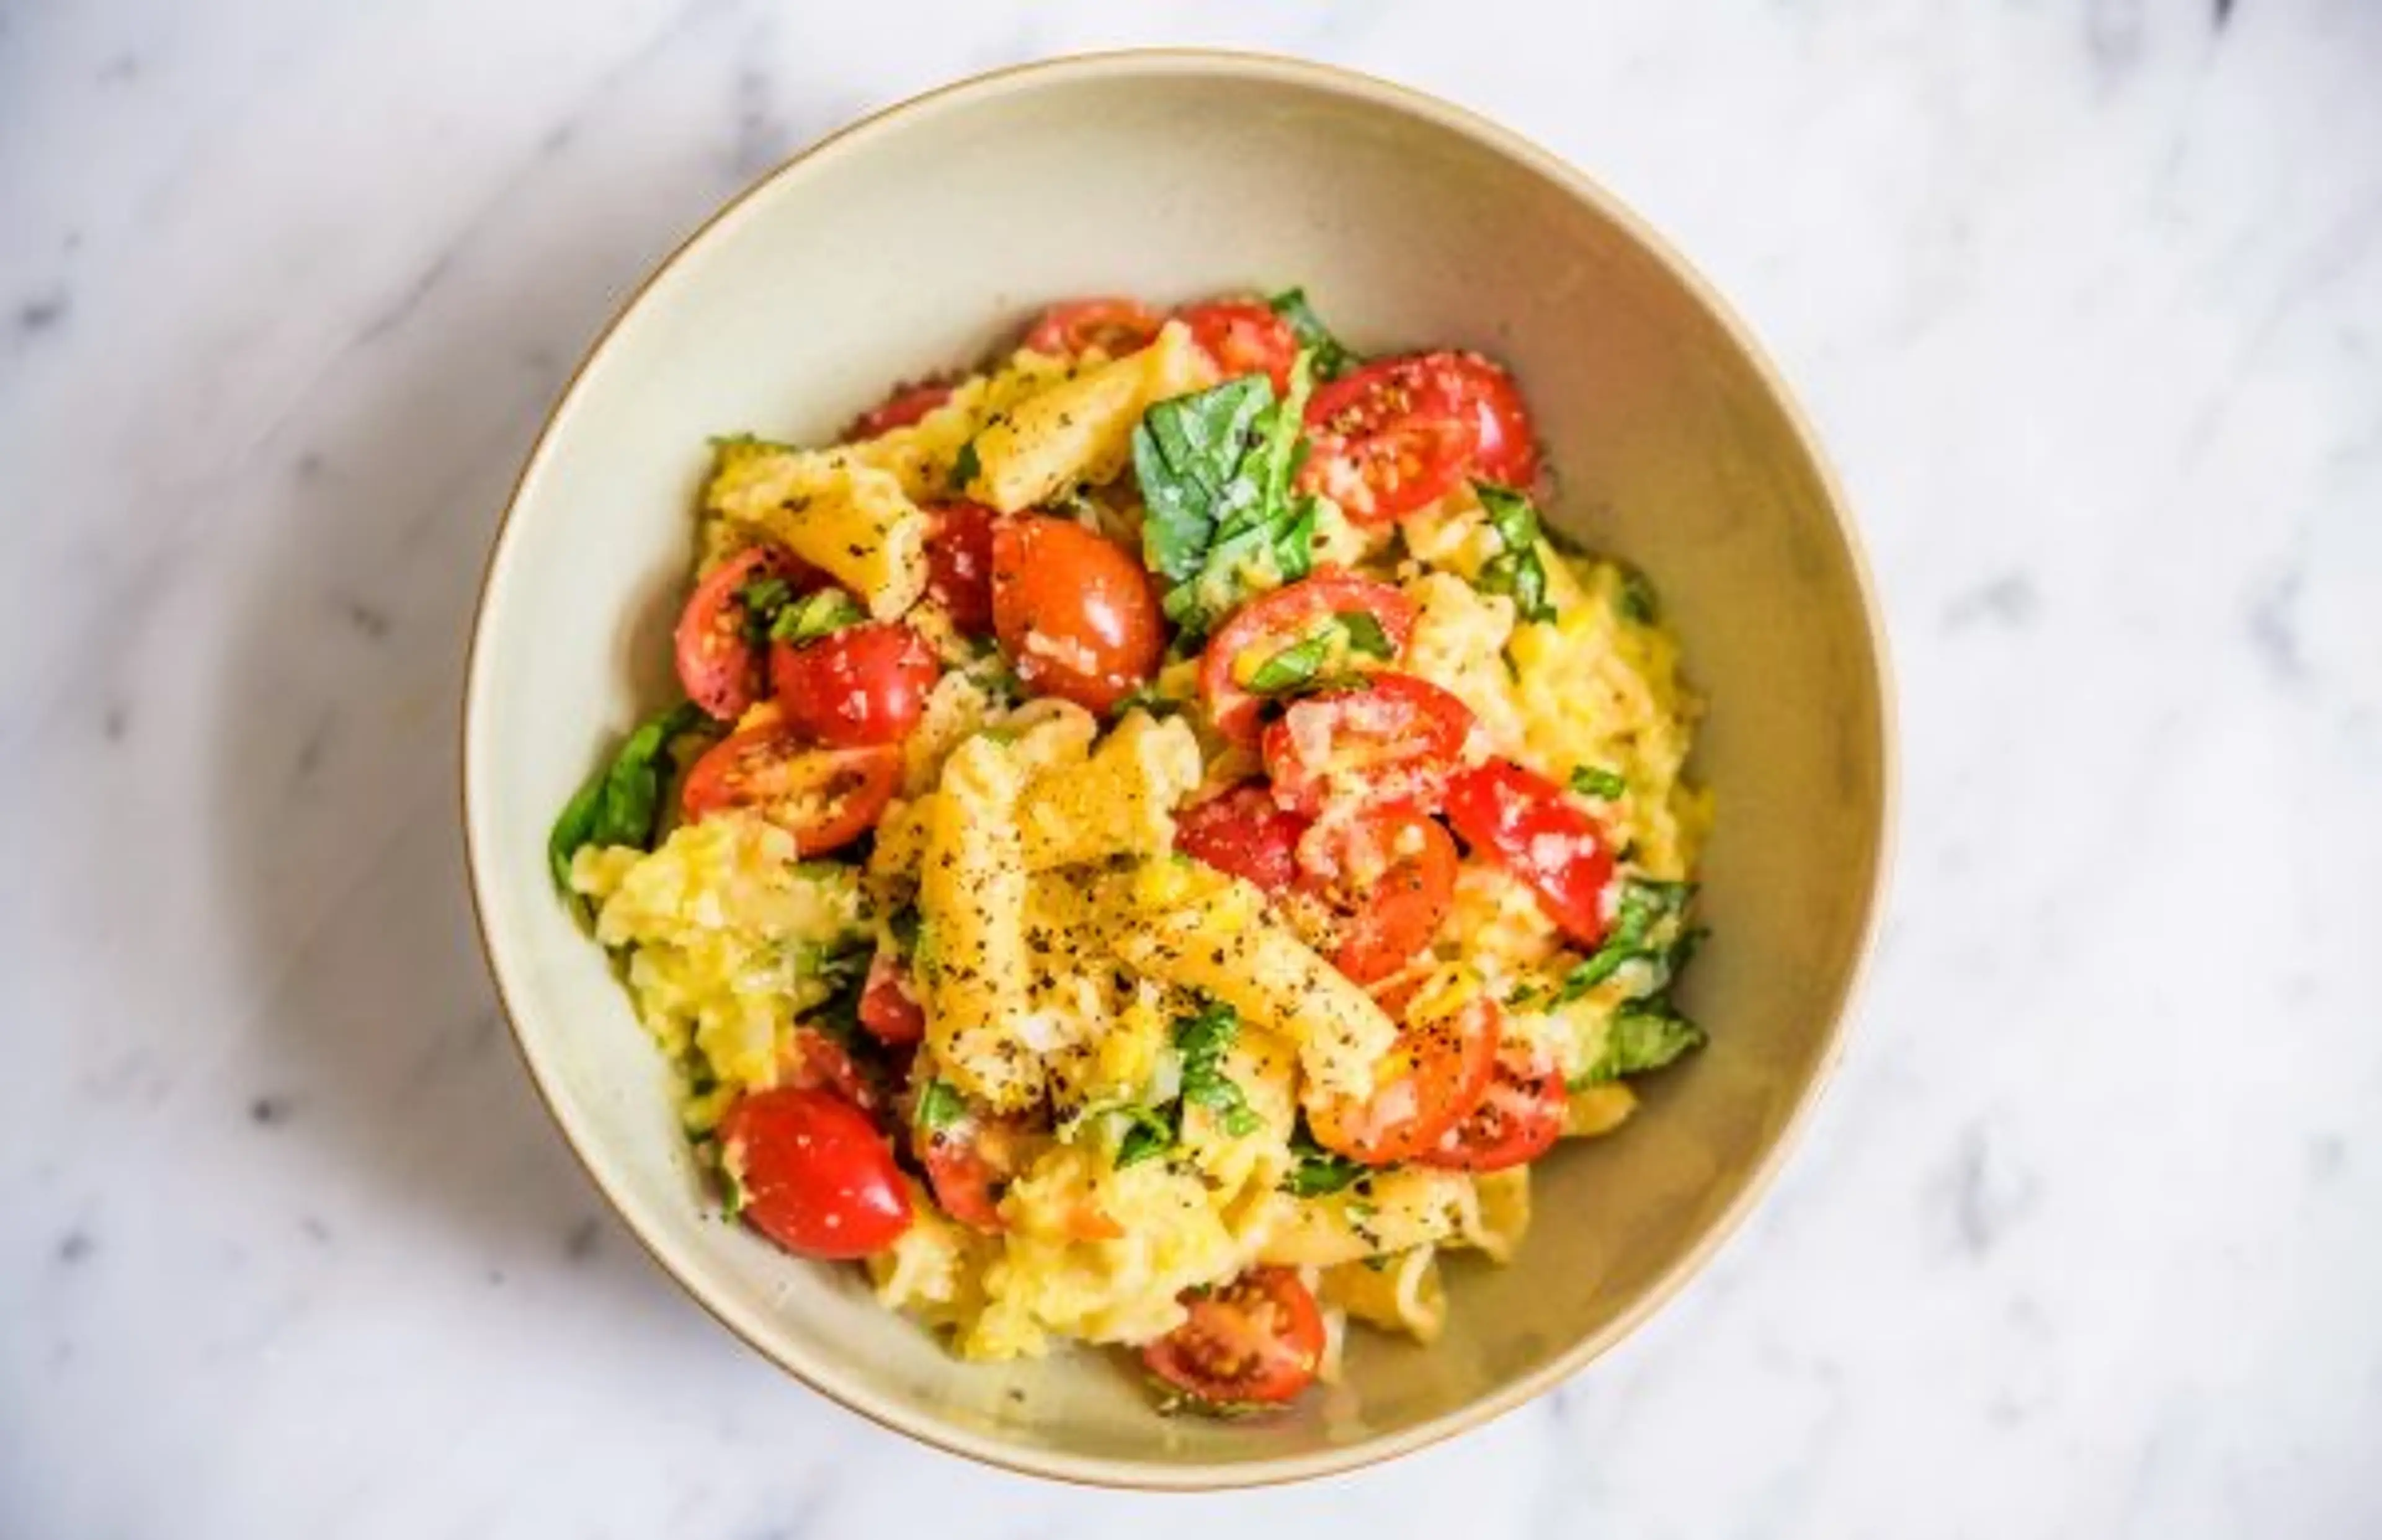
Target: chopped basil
x,y
1332,359
621,804
1645,906
1645,1034
1590,780
816,615
1635,600
903,924
964,466
1300,666
1315,1171
1293,665
1152,1133
941,1105
1515,570
1220,521
1202,1040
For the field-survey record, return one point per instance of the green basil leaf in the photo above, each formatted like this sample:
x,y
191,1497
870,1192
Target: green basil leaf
x,y
815,615
964,466
1152,1132
1517,570
1293,665
1220,521
1365,635
941,1105
1315,1171
1645,1034
621,804
1637,601
1590,780
1332,359
1645,905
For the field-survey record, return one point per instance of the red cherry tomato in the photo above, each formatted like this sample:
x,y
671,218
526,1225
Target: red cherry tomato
x,y
813,1061
1391,877
1395,743
1518,1120
889,1009
905,407
816,1177
1386,441
718,664
1261,629
1507,448
1244,832
1437,1073
1115,326
971,1162
1244,336
1074,613
1525,822
862,685
1256,1341
825,798
959,565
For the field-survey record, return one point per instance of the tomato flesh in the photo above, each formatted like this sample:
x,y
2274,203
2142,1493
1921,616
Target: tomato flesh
x,y
1384,442
1264,628
1244,336
1518,1119
970,1163
720,667
1526,824
959,565
1254,1341
1436,1074
1391,877
890,1010
903,408
1244,832
815,1175
1115,326
1075,614
825,798
862,685
814,1060
1395,743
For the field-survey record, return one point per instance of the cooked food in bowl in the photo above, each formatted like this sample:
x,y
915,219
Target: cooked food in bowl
x,y
1159,838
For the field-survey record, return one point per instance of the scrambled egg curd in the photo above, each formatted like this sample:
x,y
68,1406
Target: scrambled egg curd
x,y
1159,838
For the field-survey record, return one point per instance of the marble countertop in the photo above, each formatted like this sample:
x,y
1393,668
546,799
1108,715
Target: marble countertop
x,y
2087,299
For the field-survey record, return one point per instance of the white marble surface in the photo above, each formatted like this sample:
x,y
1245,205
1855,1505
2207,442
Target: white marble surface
x,y
2088,299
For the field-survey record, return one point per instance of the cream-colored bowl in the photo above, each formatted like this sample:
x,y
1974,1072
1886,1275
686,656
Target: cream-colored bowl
x,y
919,239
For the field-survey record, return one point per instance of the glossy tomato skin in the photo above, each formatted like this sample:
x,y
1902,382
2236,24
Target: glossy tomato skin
x,y
1445,1058
1244,832
971,1162
1386,441
825,798
1075,614
1526,824
1266,625
1114,325
1395,743
1518,1118
959,565
903,408
1244,336
815,1175
1506,445
814,1060
1391,877
859,686
1254,1342
890,1010
718,664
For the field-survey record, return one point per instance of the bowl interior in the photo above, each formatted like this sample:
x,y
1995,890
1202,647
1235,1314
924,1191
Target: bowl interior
x,y
920,241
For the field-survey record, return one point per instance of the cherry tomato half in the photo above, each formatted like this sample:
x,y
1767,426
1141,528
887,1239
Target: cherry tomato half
x,y
1386,440
1261,629
1518,1119
1391,877
1507,446
1074,613
1525,822
959,565
1254,1341
1394,742
890,1010
814,1061
1115,326
969,1163
1244,832
1435,1075
862,685
905,408
816,1177
825,798
718,664
1244,336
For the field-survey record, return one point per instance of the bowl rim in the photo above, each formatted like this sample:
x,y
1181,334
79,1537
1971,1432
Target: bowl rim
x,y
1249,65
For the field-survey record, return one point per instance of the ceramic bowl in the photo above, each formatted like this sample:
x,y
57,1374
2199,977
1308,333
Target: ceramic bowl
x,y
923,237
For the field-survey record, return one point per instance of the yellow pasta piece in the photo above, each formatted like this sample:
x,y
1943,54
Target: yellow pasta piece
x,y
1079,430
1500,1211
1401,1293
1119,801
851,520
971,894
1199,928
1597,1110
1389,1210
